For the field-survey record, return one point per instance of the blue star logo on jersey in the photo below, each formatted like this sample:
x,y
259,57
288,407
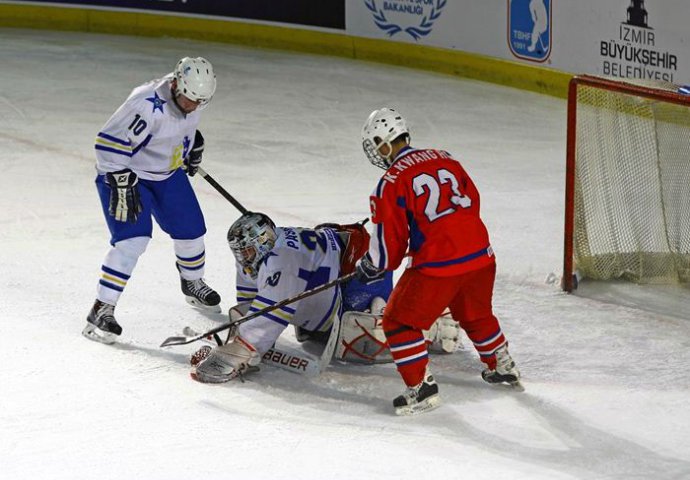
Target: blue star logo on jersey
x,y
157,101
265,259
185,146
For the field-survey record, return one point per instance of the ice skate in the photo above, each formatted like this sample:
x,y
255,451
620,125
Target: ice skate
x,y
505,371
418,399
101,325
200,295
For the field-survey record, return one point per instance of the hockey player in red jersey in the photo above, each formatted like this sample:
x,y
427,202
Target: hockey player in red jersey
x,y
426,206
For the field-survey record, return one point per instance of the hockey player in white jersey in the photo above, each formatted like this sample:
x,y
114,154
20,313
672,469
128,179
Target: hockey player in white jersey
x,y
142,153
275,263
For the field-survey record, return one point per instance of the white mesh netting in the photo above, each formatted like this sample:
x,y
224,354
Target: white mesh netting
x,y
632,187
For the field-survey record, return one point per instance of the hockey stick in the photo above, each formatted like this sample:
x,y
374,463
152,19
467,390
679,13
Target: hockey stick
x,y
222,191
183,340
329,349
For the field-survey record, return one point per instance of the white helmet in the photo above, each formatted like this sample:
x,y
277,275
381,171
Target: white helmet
x,y
251,239
195,80
381,128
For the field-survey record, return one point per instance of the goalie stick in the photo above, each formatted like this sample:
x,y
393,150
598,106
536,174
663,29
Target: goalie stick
x,y
183,340
222,191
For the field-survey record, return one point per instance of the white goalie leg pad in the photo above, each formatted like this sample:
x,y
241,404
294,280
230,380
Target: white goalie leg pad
x,y
226,362
361,339
293,360
444,335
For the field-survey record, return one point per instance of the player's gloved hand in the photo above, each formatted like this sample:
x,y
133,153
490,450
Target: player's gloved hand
x,y
125,204
193,160
366,272
226,362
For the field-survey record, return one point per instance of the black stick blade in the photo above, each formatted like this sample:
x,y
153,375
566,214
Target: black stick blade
x,y
177,341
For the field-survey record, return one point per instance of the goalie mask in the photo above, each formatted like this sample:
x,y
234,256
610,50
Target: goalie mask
x,y
381,128
195,80
251,238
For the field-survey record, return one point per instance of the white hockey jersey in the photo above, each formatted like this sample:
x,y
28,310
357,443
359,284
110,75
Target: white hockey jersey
x,y
148,134
301,259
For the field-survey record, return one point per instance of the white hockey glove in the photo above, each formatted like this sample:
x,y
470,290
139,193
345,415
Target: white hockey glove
x,y
234,359
239,310
234,314
444,335
125,204
193,160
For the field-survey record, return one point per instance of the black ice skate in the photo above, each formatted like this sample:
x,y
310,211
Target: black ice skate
x,y
101,325
505,372
200,295
418,399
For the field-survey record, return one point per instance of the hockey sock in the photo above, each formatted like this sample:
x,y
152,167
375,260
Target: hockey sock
x,y
191,258
487,337
408,348
118,266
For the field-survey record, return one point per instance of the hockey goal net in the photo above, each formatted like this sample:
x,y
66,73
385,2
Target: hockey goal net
x,y
627,212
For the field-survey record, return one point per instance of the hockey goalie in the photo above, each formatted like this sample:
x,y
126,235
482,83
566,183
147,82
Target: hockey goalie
x,y
275,263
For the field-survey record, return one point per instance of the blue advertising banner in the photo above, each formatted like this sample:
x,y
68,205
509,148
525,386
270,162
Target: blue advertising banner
x,y
317,13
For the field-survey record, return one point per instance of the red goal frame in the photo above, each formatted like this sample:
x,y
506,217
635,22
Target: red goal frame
x,y
567,282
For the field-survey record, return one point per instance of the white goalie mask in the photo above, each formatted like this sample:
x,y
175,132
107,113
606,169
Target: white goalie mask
x,y
195,80
381,128
251,238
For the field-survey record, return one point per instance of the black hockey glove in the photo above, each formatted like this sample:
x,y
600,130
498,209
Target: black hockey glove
x,y
193,160
125,204
366,272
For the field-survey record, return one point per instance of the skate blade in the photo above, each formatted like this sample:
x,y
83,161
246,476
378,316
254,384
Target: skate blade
x,y
426,406
94,334
197,304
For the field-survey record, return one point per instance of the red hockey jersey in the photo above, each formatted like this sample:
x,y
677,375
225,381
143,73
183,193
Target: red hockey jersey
x,y
427,203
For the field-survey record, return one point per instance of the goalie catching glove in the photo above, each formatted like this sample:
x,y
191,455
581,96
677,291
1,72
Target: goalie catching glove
x,y
356,240
125,204
222,364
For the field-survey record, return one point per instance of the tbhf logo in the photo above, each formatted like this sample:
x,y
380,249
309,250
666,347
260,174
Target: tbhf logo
x,y
529,29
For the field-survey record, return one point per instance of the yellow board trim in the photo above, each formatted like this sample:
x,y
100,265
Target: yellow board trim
x,y
468,65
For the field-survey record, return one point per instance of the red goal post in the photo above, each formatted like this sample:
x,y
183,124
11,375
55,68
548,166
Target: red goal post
x,y
627,189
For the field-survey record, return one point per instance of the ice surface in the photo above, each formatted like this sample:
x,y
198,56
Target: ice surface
x,y
607,382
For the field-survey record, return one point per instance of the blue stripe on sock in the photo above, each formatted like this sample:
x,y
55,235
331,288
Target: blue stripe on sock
x,y
111,286
115,273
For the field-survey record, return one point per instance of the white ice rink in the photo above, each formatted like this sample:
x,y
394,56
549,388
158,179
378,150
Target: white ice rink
x,y
607,385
